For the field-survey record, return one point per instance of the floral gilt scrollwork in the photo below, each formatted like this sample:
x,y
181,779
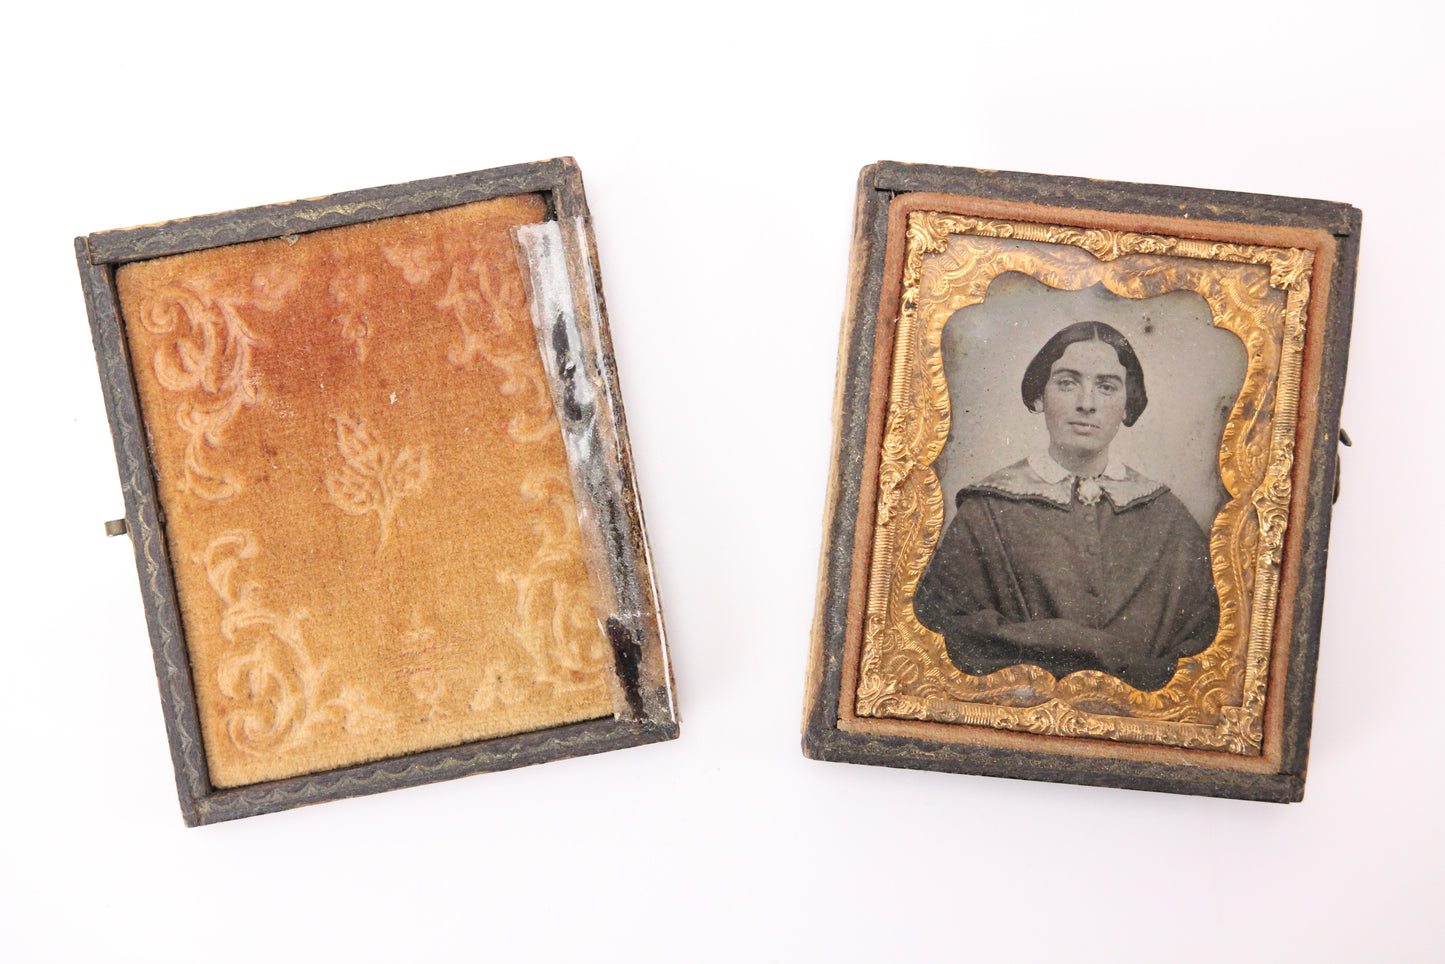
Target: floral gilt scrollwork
x,y
1216,700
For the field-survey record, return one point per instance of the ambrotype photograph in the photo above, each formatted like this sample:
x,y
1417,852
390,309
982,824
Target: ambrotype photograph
x,y
1093,445
1067,545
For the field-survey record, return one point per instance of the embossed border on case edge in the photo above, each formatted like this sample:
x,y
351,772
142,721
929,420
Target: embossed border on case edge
x,y
831,730
98,255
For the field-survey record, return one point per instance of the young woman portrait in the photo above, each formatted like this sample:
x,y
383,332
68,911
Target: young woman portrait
x,y
1070,559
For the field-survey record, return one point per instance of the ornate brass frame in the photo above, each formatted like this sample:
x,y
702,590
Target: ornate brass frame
x,y
1279,273
1216,702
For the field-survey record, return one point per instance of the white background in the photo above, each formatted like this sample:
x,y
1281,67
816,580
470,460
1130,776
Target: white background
x,y
720,145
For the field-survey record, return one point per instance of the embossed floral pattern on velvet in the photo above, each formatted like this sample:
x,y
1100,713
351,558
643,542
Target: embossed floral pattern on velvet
x,y
365,492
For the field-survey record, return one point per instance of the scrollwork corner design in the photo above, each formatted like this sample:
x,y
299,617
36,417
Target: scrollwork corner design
x,y
481,288
277,695
556,645
209,357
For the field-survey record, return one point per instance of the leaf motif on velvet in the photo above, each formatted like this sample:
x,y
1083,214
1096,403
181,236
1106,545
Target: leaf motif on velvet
x,y
373,479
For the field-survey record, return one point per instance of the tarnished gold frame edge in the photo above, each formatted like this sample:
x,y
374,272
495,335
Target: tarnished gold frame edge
x,y
1286,541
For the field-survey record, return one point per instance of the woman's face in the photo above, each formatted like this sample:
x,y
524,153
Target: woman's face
x,y
1084,399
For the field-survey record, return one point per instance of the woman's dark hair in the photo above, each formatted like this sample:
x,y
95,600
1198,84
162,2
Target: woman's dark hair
x,y
1036,376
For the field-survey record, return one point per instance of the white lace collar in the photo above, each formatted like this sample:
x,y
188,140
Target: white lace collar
x,y
1051,471
1040,478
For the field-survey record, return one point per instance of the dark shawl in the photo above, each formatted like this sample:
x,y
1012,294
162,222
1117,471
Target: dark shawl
x,y
1028,573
